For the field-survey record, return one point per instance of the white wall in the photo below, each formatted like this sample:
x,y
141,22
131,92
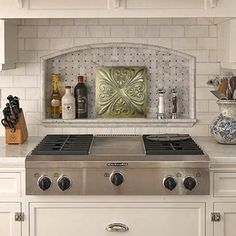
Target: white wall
x,y
195,36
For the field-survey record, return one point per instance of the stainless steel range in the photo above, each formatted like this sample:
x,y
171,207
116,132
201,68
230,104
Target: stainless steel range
x,y
117,165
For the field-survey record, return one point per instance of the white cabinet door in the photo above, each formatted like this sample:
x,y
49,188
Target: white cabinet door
x,y
8,225
67,5
90,219
166,4
226,226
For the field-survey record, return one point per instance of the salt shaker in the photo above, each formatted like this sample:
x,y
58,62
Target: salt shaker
x,y
161,104
174,104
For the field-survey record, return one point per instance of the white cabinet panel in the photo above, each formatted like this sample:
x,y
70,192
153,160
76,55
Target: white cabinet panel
x,y
225,184
10,184
226,227
8,225
152,219
68,4
169,4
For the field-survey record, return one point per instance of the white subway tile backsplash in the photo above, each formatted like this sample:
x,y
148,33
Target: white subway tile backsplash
x,y
207,43
171,31
147,31
27,31
184,21
39,37
205,21
61,43
110,21
36,22
196,31
135,21
122,31
6,81
19,92
49,31
28,56
163,42
98,31
184,43
33,93
61,21
36,44
25,81
208,68
32,69
84,21
73,31
159,21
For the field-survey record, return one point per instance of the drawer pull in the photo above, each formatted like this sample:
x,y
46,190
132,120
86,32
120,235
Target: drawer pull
x,y
117,227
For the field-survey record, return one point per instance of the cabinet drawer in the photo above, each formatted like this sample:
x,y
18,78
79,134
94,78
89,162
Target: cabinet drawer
x,y
225,184
10,184
91,219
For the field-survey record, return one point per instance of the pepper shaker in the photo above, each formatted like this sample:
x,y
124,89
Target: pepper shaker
x,y
161,104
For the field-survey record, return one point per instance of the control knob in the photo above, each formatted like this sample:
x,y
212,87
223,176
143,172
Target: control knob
x,y
64,183
117,178
190,183
170,182
44,182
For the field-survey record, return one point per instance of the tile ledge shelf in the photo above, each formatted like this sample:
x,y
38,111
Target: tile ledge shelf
x,y
128,122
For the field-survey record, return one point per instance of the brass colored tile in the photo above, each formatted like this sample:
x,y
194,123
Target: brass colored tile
x,y
121,92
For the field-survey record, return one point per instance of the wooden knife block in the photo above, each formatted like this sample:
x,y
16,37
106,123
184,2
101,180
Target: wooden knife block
x,y
21,133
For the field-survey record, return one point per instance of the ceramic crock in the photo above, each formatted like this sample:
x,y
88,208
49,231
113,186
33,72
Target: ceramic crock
x,y
223,127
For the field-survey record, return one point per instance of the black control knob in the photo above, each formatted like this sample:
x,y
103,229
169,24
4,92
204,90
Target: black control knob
x,y
64,183
190,183
170,183
117,178
44,183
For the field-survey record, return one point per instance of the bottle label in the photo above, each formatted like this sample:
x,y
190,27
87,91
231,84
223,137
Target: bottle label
x,y
69,107
81,102
55,103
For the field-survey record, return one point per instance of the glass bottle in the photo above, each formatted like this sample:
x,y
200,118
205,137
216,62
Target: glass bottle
x,y
174,104
55,99
81,98
68,105
161,104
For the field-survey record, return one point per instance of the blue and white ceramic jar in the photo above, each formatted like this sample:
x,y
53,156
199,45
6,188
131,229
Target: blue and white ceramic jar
x,y
223,127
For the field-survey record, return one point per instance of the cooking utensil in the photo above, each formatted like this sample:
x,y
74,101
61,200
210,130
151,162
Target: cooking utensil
x,y
219,95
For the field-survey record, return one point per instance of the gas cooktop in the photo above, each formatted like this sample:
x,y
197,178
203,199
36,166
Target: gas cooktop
x,y
167,144
163,164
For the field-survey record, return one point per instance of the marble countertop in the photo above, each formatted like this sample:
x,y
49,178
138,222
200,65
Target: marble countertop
x,y
14,155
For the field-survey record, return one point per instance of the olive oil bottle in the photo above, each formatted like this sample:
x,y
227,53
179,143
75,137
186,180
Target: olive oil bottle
x,y
55,99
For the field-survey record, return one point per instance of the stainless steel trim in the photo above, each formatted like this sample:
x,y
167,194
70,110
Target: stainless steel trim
x,y
117,227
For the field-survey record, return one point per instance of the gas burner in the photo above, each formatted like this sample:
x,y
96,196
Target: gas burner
x,y
64,145
171,144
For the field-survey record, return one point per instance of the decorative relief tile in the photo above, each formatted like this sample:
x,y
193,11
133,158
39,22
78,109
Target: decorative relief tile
x,y
121,92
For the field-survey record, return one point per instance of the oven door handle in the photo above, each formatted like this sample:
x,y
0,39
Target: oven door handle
x,y
117,227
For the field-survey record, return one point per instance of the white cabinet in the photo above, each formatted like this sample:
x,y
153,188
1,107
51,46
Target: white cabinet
x,y
67,5
8,225
225,184
152,219
8,44
226,225
226,43
165,4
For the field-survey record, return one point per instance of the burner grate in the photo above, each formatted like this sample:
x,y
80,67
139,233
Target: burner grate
x,y
64,145
181,147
